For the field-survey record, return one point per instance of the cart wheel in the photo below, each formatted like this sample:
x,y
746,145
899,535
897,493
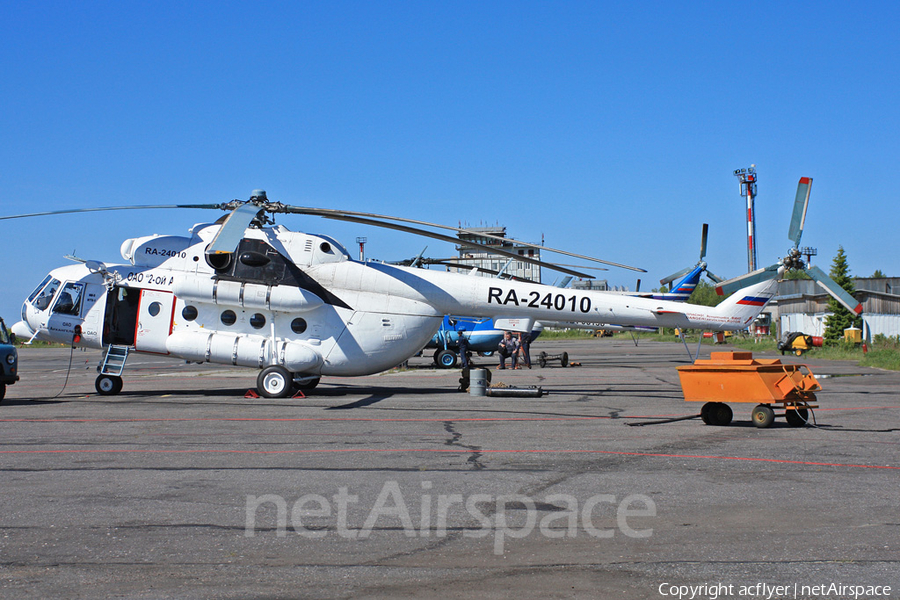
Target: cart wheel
x,y
543,360
564,359
763,416
797,417
720,414
705,412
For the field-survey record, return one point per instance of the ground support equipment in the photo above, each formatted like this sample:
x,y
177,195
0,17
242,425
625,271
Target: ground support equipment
x,y
738,377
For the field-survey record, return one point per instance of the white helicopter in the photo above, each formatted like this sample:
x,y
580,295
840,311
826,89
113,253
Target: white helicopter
x,y
296,306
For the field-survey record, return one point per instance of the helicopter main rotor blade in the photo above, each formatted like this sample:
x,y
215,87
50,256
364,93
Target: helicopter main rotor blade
x,y
742,281
839,293
137,207
801,202
232,230
337,214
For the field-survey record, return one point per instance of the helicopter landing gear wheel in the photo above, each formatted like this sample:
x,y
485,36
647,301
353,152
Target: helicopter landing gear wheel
x,y
274,382
307,385
446,359
763,416
108,385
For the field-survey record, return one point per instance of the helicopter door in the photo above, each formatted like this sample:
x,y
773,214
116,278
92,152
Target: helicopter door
x,y
154,322
121,316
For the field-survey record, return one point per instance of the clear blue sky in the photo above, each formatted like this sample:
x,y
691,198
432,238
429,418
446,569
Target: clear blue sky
x,y
612,129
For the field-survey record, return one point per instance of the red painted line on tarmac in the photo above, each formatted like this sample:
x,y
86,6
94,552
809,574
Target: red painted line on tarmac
x,y
313,419
455,451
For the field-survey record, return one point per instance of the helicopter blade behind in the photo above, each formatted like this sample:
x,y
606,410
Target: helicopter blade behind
x,y
446,238
713,277
350,215
703,241
741,281
674,276
686,270
801,203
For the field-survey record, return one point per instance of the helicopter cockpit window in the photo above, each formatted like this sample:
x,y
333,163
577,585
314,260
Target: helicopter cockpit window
x,y
42,296
40,286
69,300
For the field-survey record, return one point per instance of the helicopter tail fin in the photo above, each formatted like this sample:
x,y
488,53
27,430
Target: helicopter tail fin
x,y
745,304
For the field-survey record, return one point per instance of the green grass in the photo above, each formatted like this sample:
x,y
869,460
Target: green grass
x,y
565,334
882,353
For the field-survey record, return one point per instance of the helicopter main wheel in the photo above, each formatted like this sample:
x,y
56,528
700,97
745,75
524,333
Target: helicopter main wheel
x,y
446,359
275,382
108,385
307,385
763,416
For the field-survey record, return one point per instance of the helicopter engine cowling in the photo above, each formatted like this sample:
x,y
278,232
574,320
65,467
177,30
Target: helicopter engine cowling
x,y
247,295
243,351
154,250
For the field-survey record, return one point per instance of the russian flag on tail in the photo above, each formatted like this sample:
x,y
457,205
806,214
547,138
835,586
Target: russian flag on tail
x,y
753,301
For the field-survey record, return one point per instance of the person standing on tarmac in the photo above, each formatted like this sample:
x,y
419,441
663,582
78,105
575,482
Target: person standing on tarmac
x,y
463,343
525,348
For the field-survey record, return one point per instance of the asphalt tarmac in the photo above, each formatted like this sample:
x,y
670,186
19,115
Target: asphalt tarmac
x,y
398,485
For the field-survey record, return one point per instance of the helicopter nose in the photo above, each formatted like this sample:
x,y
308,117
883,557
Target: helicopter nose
x,y
22,330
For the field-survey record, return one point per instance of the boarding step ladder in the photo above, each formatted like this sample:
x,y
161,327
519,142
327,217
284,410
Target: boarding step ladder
x,y
114,360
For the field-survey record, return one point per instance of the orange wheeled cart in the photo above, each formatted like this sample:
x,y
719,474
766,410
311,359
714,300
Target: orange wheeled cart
x,y
738,377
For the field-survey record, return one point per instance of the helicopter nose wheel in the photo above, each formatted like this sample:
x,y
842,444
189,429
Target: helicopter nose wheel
x,y
108,385
275,382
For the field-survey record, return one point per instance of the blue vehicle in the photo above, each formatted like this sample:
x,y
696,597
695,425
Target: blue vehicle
x,y
9,360
481,335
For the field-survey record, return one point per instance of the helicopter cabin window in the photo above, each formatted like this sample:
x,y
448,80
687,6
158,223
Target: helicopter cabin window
x,y
43,295
190,313
69,300
257,321
229,318
298,325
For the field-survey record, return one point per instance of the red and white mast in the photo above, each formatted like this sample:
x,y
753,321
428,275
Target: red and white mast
x,y
747,178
